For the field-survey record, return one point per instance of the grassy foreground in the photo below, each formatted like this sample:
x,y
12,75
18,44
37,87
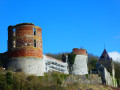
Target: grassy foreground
x,y
51,81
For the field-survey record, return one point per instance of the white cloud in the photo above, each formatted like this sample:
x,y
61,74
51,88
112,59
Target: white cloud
x,y
115,56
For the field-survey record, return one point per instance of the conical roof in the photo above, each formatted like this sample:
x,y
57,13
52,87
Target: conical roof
x,y
104,55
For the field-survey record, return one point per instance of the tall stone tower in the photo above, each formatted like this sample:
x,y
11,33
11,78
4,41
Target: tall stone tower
x,y
80,64
25,49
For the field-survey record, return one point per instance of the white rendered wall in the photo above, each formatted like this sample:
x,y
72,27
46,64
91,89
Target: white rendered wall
x,y
80,65
110,80
33,66
52,64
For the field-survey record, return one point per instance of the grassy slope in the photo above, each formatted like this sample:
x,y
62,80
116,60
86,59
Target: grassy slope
x,y
52,81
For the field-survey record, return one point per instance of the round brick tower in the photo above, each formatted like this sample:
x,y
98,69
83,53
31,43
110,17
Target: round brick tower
x,y
25,48
80,64
25,40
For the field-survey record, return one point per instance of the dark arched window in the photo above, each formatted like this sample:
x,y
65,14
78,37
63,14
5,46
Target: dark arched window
x,y
34,31
14,31
35,44
14,44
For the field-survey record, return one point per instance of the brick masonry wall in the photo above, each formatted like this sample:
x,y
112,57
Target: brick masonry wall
x,y
24,41
79,51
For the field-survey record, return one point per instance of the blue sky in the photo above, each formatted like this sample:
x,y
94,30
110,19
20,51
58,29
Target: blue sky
x,y
66,24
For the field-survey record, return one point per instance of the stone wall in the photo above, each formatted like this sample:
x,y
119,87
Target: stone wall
x,y
33,66
110,80
106,77
80,65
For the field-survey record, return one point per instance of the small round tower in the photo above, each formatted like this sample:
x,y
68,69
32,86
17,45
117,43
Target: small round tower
x,y
80,64
79,51
25,51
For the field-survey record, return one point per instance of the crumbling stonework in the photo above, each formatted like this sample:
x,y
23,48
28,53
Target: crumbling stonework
x,y
80,64
34,66
25,40
106,77
25,49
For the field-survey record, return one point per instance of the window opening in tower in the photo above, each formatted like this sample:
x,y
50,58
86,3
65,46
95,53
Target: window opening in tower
x,y
14,44
35,45
14,32
34,31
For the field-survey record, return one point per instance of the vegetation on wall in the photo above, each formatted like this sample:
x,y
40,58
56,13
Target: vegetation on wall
x,y
117,69
117,72
71,57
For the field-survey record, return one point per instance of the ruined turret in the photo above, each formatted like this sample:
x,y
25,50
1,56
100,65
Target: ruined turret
x,y
25,51
79,66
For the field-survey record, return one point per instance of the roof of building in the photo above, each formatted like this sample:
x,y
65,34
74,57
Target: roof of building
x,y
105,55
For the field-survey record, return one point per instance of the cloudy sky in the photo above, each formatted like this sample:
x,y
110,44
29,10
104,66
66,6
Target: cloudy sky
x,y
66,24
115,55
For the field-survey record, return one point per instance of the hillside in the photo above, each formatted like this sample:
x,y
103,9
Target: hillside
x,y
51,81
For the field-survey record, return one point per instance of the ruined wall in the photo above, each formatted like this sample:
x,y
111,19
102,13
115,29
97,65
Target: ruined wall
x,y
110,80
80,64
22,39
79,51
25,49
27,65
106,77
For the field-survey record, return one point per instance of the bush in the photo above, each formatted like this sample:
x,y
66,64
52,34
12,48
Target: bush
x,y
86,75
2,82
9,78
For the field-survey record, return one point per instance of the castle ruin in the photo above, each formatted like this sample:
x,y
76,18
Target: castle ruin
x,y
25,54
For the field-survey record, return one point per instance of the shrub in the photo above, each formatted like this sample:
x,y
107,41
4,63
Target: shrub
x,y
9,78
86,75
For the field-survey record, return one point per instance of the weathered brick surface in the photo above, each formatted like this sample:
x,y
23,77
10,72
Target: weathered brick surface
x,y
26,53
79,51
24,41
24,31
